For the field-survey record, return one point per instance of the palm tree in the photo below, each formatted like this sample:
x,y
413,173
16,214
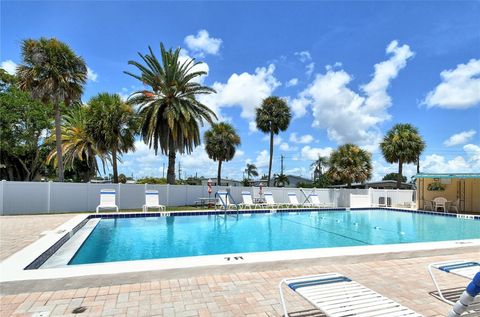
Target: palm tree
x,y
220,143
170,112
279,180
113,125
272,117
251,170
402,144
77,144
349,164
53,74
319,165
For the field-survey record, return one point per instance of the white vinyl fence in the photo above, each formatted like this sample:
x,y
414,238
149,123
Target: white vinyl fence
x,y
49,197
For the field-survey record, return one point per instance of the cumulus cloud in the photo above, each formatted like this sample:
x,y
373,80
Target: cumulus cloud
x,y
350,116
202,43
292,82
9,66
284,146
303,139
303,56
262,160
183,57
459,89
309,69
245,90
460,138
312,153
91,75
276,139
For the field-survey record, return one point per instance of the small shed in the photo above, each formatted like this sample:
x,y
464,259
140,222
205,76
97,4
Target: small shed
x,y
462,188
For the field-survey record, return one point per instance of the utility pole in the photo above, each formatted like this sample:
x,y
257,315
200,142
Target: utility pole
x,y
163,173
281,160
179,170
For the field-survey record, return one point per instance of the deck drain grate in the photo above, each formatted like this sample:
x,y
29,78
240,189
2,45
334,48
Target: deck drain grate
x,y
41,314
79,310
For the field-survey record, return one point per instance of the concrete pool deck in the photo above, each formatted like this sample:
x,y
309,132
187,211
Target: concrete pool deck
x,y
240,290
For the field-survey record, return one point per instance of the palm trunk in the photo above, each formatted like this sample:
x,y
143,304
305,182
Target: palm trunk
x,y
271,157
219,174
114,165
418,164
171,162
58,141
399,176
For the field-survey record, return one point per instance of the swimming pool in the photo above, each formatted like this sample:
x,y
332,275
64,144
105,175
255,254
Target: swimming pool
x,y
140,238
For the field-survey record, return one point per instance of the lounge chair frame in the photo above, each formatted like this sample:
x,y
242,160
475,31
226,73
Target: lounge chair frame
x,y
151,201
106,200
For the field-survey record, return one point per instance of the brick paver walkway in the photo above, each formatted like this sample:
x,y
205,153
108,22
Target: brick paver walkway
x,y
242,293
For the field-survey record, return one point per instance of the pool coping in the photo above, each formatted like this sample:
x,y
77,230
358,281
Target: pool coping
x,y
12,269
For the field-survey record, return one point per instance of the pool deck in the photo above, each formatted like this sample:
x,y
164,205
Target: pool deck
x,y
240,290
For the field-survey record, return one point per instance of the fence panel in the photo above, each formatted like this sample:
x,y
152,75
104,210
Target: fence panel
x,y
25,198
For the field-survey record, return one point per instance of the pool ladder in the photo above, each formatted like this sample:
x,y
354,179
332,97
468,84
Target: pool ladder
x,y
226,200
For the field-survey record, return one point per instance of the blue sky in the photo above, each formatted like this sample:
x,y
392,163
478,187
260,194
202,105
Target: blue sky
x,y
349,70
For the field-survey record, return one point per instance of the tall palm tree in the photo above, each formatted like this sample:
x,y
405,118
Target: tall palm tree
x,y
220,143
77,144
319,165
54,74
170,112
349,164
403,145
113,125
251,170
272,117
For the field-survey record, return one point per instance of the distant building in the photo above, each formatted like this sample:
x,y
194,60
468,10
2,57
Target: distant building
x,y
225,182
293,181
389,184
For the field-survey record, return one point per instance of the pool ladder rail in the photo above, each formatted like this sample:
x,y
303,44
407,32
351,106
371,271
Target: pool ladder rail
x,y
226,200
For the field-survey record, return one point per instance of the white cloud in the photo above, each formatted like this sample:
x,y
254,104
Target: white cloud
x,y
347,115
312,153
435,163
460,138
292,82
309,69
9,66
303,56
299,106
459,89
245,90
202,43
303,139
91,75
262,160
284,146
473,154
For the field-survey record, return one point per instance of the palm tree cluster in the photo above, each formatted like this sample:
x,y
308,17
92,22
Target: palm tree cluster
x,y
169,117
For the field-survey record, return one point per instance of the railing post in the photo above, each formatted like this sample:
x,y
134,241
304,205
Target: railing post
x,y
119,205
168,195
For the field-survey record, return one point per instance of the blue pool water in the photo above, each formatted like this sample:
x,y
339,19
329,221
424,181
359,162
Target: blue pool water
x,y
124,239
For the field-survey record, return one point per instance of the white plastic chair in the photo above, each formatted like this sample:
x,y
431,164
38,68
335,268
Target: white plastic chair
x,y
454,205
338,296
107,200
440,202
293,199
269,201
248,201
151,201
315,201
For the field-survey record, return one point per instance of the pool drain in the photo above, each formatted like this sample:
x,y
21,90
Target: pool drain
x,y
79,310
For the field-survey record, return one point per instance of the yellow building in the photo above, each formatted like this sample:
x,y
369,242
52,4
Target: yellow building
x,y
459,189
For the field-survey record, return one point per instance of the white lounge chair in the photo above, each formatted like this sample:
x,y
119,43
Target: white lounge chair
x,y
107,200
338,296
440,202
248,201
465,269
151,201
270,202
315,201
293,199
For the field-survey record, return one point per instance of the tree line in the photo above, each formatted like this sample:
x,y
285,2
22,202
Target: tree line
x,y
167,115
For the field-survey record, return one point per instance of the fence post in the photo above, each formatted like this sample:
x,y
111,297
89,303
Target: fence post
x,y
49,193
168,194
119,205
2,196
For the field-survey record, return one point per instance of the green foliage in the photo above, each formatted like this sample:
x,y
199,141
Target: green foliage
x,y
251,170
272,117
319,165
112,124
151,180
52,73
280,180
246,182
323,181
22,126
305,185
394,177
436,186
221,141
122,178
349,164
402,144
171,114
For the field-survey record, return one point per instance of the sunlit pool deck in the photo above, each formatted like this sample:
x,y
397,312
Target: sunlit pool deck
x,y
214,288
